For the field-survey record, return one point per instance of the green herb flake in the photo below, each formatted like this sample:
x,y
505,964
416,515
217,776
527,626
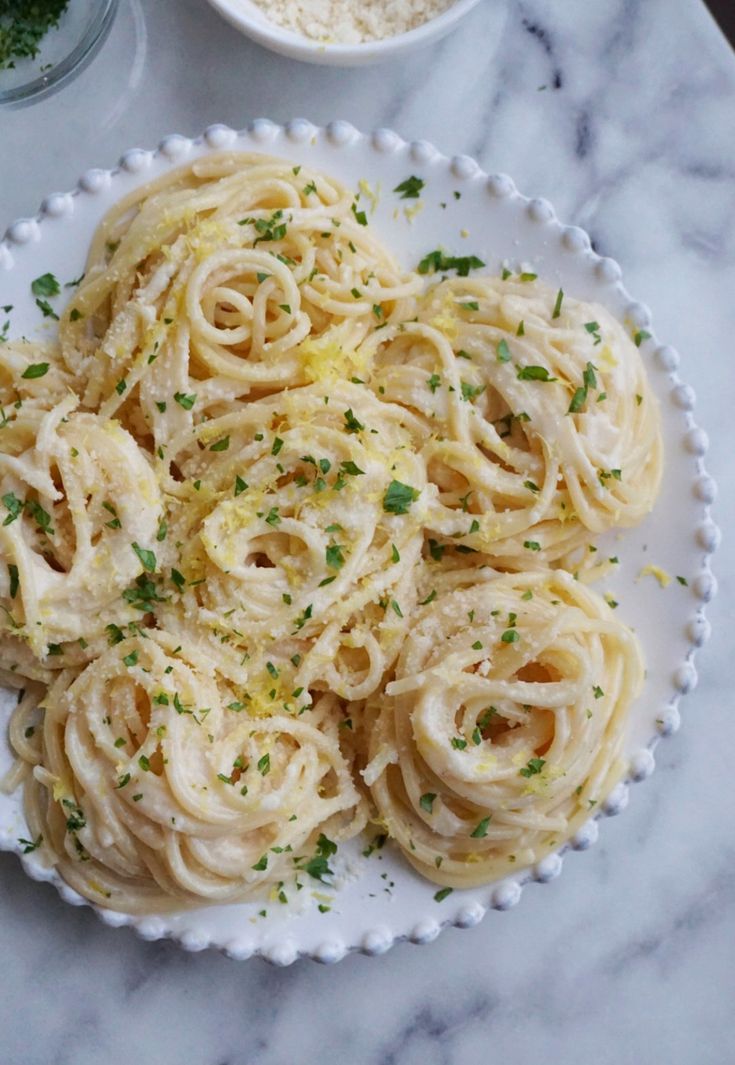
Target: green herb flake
x,y
470,392
13,505
352,425
46,284
46,309
14,580
187,402
480,830
438,262
426,802
410,189
349,467
34,371
398,498
534,767
503,351
534,373
444,893
147,558
30,845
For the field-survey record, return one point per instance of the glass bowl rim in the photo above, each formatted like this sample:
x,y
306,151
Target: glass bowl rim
x,y
97,29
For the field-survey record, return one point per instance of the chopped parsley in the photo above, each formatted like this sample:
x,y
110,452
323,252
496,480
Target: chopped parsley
x,y
187,402
360,216
14,580
503,351
352,425
334,557
35,370
593,328
398,498
436,262
13,505
22,29
46,309
300,621
534,373
147,558
46,284
410,189
534,767
30,845
470,392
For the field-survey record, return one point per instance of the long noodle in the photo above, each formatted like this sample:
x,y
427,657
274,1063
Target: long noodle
x,y
287,541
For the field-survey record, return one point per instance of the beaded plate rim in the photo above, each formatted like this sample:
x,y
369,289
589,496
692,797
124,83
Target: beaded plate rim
x,y
259,135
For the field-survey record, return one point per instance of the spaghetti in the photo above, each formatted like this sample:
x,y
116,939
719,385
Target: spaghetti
x,y
287,545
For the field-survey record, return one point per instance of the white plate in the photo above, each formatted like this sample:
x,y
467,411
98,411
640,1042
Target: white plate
x,y
380,899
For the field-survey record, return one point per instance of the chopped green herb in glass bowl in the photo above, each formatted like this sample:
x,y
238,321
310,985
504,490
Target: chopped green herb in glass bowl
x,y
44,43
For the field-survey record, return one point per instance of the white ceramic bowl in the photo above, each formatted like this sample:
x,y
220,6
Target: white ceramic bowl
x,y
252,21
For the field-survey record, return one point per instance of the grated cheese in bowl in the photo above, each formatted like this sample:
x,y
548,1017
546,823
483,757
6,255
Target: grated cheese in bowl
x,y
351,21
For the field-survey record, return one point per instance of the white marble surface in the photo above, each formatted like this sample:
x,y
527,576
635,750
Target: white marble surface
x,y
629,956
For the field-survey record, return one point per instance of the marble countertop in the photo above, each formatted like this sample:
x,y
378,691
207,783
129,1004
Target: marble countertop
x,y
623,115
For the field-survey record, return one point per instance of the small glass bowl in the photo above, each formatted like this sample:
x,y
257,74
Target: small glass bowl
x,y
64,53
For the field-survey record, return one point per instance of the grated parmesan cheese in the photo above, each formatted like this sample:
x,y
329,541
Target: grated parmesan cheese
x,y
351,21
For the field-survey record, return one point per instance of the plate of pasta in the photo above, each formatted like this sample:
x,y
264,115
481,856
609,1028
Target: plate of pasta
x,y
354,541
